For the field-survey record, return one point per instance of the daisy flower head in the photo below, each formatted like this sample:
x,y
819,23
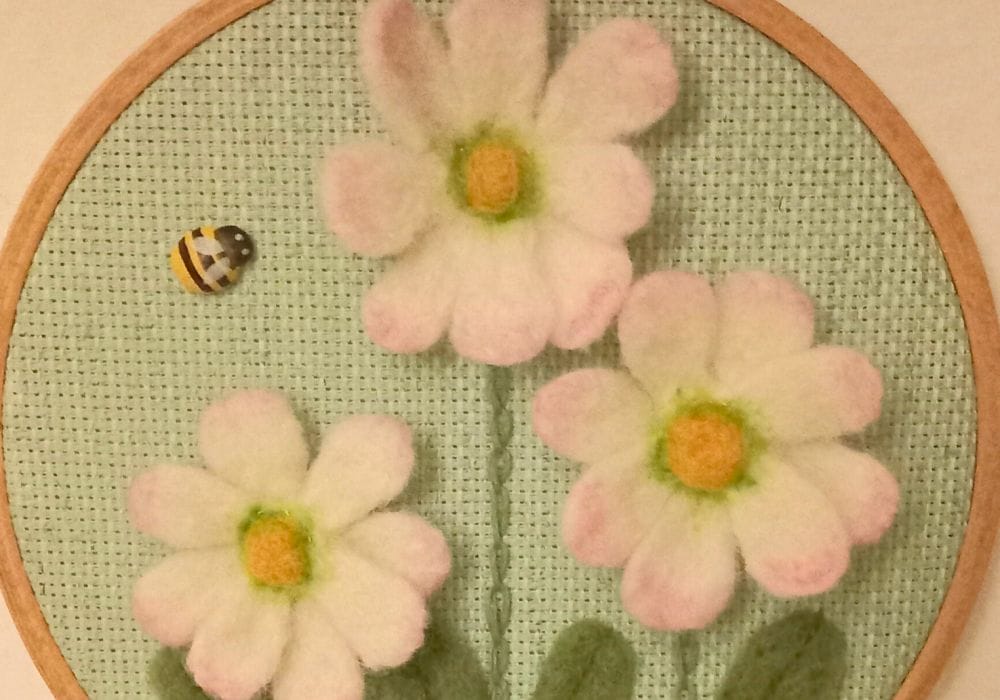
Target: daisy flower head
x,y
286,574
719,439
505,200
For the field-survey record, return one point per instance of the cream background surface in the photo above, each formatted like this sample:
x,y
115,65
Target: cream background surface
x,y
939,63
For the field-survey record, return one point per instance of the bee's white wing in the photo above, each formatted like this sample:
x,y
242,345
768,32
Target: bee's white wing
x,y
207,246
217,271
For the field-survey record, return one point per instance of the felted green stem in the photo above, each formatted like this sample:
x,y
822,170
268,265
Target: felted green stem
x,y
686,651
499,469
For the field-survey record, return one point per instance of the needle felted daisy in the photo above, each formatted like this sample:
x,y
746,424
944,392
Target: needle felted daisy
x,y
286,575
721,438
505,200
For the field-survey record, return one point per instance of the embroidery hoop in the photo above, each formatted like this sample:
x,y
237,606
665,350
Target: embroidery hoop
x,y
767,17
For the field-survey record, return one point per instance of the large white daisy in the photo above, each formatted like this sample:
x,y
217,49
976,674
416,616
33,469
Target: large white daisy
x,y
507,208
283,574
721,438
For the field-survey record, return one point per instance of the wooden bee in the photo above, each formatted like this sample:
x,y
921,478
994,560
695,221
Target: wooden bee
x,y
208,260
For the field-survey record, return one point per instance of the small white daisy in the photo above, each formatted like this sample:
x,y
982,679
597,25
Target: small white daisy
x,y
721,438
284,575
506,201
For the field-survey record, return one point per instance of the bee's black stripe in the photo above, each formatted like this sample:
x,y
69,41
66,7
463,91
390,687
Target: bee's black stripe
x,y
182,248
208,260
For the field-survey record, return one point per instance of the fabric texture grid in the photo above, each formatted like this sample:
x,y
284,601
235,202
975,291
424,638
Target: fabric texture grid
x,y
758,166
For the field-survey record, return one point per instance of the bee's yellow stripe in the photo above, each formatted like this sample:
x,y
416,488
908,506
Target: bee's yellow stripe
x,y
180,270
187,266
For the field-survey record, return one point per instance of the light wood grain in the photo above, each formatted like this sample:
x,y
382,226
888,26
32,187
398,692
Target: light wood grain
x,y
767,16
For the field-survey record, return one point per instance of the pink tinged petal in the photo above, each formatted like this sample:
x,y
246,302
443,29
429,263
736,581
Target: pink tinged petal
x,y
185,506
683,574
591,415
380,615
403,544
863,491
504,310
237,650
318,664
410,307
618,80
761,317
499,58
607,514
667,331
171,600
821,393
363,463
253,440
603,189
792,540
405,67
589,279
376,196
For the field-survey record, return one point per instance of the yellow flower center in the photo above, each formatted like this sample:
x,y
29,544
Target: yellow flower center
x,y
704,450
492,178
275,548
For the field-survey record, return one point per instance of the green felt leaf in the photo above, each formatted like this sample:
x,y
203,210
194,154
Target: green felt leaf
x,y
170,678
445,668
803,655
588,661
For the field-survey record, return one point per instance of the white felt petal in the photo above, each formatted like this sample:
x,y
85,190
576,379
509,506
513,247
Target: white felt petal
x,y
173,598
588,278
380,615
667,331
237,650
863,491
185,506
504,311
410,307
403,544
823,392
608,512
761,317
253,440
590,415
499,58
318,664
376,197
684,572
363,463
791,538
406,69
619,79
601,189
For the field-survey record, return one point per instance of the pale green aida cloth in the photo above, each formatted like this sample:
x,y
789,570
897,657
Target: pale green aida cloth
x,y
760,165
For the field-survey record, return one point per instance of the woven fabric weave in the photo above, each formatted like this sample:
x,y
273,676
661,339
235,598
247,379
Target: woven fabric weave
x,y
759,166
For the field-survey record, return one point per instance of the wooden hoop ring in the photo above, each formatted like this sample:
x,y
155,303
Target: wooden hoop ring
x,y
766,16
